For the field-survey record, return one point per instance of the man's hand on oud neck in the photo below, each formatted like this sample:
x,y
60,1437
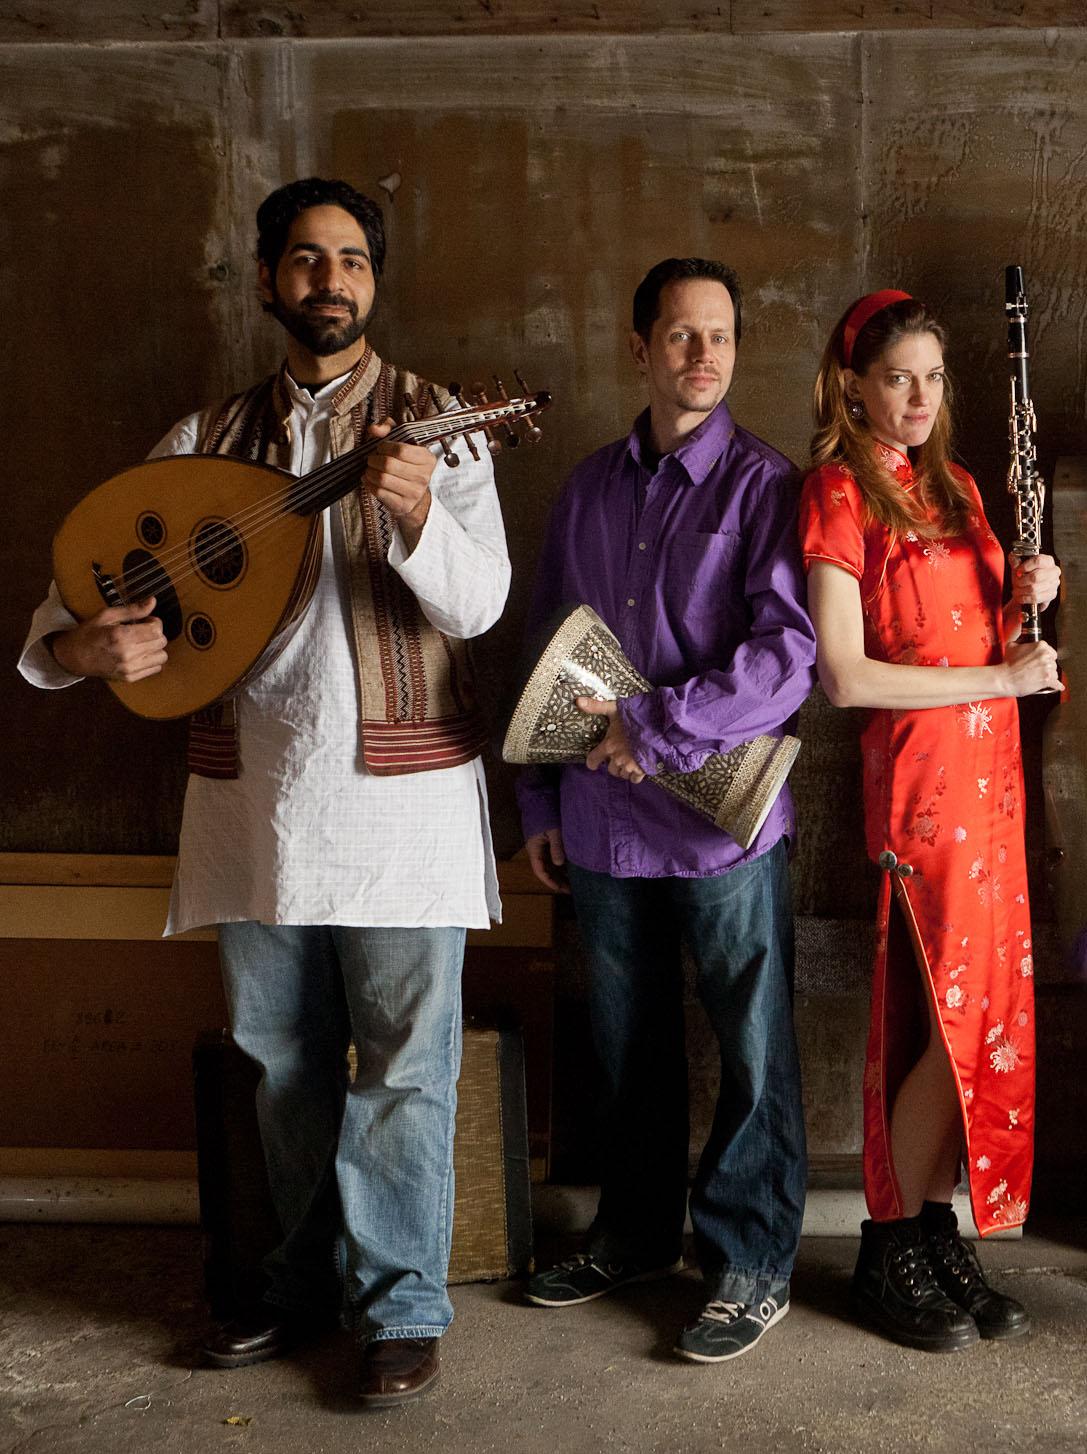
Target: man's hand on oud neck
x,y
120,643
399,476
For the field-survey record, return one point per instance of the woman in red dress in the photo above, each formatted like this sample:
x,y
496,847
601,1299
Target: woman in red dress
x,y
905,583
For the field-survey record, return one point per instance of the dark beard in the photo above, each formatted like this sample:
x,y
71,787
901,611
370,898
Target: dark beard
x,y
322,336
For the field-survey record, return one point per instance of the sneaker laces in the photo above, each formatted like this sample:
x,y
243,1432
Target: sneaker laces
x,y
571,1264
722,1312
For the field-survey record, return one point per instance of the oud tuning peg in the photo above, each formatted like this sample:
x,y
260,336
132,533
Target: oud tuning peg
x,y
479,398
530,430
451,459
472,450
510,438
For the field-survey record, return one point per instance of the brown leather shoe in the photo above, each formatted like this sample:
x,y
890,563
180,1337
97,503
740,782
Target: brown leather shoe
x,y
259,1333
396,1369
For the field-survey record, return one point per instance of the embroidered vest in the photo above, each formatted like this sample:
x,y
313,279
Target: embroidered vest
x,y
416,687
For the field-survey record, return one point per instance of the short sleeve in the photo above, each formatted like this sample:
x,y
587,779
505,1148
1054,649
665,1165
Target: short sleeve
x,y
832,520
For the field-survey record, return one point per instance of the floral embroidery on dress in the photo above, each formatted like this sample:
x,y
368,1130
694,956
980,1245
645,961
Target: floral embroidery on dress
x,y
936,553
837,496
983,786
955,998
976,719
1012,1211
1013,1117
983,1163
988,883
960,834
1005,1055
1026,966
956,618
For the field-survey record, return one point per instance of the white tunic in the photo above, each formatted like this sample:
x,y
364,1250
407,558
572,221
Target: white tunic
x,y
305,834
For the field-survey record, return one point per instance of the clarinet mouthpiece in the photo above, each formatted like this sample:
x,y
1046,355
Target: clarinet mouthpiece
x,y
1014,287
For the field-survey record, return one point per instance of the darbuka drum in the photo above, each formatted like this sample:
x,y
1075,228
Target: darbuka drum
x,y
734,790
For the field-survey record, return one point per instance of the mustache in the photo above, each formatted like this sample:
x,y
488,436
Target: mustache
x,y
327,299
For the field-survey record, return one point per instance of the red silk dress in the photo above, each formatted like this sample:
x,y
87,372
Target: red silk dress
x,y
943,793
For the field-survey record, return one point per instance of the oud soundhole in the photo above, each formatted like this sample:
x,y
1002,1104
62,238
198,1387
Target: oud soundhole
x,y
218,553
151,529
200,632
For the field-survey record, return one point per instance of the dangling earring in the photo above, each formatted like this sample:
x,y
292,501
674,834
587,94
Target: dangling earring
x,y
856,409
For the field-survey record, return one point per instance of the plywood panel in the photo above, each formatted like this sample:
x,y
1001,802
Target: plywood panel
x,y
102,1058
35,21
122,291
896,15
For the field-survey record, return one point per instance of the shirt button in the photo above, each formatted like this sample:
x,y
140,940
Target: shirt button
x,y
630,600
641,544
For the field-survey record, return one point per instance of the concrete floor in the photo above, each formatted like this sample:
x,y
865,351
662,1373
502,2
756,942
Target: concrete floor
x,y
98,1327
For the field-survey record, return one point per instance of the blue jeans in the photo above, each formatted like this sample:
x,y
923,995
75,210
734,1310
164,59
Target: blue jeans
x,y
361,1174
747,1199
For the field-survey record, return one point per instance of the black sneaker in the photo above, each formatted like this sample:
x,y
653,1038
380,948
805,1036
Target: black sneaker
x,y
727,1329
959,1274
582,1278
895,1289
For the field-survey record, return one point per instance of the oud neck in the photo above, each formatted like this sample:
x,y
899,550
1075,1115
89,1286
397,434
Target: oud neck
x,y
330,482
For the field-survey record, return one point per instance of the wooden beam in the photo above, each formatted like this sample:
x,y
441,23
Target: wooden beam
x,y
61,20
147,871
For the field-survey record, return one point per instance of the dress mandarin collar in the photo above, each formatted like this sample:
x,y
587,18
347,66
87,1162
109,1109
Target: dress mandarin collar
x,y
896,462
701,449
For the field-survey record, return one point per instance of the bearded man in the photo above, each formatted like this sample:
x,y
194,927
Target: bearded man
x,y
335,825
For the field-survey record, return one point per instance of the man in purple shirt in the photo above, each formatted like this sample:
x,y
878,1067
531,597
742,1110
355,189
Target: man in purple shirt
x,y
682,537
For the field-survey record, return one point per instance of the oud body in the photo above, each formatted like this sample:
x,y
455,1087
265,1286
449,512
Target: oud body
x,y
231,566
230,550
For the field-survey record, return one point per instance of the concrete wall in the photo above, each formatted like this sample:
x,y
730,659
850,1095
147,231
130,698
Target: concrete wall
x,y
533,160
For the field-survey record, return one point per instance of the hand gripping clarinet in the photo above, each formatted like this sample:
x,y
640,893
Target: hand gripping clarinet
x,y
1024,482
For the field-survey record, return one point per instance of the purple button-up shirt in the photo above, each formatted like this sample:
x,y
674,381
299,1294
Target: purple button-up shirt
x,y
695,566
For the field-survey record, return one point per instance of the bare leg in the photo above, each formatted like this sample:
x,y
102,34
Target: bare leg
x,y
926,1127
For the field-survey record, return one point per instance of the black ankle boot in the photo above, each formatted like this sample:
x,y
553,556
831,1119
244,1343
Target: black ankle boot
x,y
959,1274
895,1288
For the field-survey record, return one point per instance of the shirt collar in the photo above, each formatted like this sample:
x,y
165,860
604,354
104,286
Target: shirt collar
x,y
701,449
348,390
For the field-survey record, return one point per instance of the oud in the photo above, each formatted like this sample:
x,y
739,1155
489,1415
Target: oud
x,y
231,550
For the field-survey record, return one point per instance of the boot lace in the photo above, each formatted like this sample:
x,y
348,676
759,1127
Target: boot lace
x,y
960,1261
916,1271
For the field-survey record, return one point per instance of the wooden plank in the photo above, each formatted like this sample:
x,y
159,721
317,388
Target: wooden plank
x,y
749,16
139,870
327,19
103,870
51,911
61,20
66,911
56,1161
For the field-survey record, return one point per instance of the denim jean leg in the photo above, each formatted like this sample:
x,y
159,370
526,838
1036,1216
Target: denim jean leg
x,y
636,1007
287,1013
395,1160
747,1202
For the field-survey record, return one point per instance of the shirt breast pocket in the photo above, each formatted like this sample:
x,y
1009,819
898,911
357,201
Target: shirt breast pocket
x,y
704,575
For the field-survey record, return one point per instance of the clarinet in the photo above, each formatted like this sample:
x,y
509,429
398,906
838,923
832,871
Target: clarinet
x,y
1024,482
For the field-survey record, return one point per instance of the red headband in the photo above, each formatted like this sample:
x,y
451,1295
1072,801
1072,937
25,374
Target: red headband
x,y
866,308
